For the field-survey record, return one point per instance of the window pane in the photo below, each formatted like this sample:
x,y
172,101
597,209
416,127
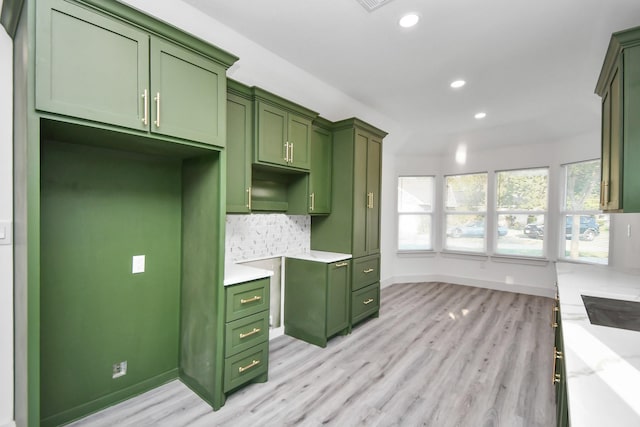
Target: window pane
x,y
522,189
466,193
520,234
587,238
465,233
415,194
414,232
582,191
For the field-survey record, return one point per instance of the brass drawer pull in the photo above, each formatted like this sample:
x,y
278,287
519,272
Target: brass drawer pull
x,y
556,378
157,120
252,299
554,316
249,366
248,334
369,301
368,270
342,264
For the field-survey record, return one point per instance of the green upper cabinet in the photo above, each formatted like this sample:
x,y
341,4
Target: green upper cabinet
x,y
283,132
320,176
188,94
239,143
93,66
619,88
354,223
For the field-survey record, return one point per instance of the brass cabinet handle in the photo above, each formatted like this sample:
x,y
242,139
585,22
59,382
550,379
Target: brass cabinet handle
x,y
554,316
554,377
248,334
369,200
157,99
249,366
286,151
291,152
313,201
368,270
145,117
249,198
369,301
342,264
252,299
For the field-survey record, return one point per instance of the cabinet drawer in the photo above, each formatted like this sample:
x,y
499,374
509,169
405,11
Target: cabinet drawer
x,y
244,333
246,366
366,270
365,302
247,298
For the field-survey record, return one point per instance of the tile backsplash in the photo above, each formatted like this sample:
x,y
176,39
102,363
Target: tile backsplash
x,y
257,236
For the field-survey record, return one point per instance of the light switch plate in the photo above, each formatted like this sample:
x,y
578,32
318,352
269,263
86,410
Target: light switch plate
x,y
6,232
137,264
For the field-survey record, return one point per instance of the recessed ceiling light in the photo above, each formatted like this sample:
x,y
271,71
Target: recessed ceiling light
x,y
458,83
409,20
480,115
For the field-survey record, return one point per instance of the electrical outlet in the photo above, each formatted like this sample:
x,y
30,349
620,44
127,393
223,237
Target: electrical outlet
x,y
137,264
119,369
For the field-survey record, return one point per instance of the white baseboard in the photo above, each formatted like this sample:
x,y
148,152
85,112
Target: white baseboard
x,y
498,286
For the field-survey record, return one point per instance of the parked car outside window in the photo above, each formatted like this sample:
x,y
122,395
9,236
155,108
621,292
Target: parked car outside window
x,y
589,228
473,229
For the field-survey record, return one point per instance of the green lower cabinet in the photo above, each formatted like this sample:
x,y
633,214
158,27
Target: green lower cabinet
x,y
365,302
559,372
316,299
246,335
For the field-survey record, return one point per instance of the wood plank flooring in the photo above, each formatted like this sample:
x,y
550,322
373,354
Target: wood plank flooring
x,y
438,355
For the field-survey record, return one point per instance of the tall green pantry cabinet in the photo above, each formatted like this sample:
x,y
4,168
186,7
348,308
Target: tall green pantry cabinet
x,y
119,170
354,223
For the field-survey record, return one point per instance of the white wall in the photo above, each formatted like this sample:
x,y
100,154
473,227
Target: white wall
x,y
6,214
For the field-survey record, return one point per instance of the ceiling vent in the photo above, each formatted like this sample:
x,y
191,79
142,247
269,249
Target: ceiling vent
x,y
372,5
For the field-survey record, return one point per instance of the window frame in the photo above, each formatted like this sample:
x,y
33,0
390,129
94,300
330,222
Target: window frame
x,y
497,212
564,212
446,213
430,214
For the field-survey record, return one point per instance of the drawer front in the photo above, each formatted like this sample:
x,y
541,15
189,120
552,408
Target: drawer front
x,y
366,271
365,302
247,298
245,366
244,333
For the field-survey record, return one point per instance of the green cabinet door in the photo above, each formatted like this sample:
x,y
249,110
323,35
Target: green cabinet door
x,y
272,144
299,139
360,195
320,174
239,138
338,293
374,168
188,94
90,66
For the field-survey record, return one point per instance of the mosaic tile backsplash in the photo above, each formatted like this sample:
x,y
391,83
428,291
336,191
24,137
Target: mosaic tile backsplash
x,y
258,236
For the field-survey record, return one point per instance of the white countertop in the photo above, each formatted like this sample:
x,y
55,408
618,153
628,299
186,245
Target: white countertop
x,y
320,256
236,273
602,363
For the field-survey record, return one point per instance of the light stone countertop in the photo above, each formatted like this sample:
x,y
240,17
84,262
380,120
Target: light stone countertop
x,y
602,363
320,256
236,273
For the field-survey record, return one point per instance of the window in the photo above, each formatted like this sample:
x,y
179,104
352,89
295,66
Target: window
x,y
415,213
466,212
584,231
521,208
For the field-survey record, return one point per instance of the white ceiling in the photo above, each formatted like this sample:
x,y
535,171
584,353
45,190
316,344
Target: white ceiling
x,y
531,65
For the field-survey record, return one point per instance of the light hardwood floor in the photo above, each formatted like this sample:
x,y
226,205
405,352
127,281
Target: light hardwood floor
x,y
438,355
